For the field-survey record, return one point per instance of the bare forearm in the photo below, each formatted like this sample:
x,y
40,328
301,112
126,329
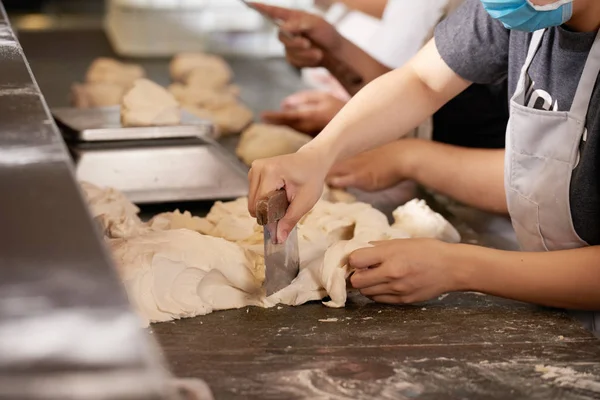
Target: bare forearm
x,y
472,176
565,279
382,112
374,8
361,62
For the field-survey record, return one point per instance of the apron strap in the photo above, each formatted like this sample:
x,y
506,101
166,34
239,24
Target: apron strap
x,y
534,45
587,83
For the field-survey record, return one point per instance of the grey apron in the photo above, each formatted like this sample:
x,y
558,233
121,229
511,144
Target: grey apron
x,y
542,149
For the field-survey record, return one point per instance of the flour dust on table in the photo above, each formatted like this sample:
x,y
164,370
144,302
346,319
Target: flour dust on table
x,y
179,266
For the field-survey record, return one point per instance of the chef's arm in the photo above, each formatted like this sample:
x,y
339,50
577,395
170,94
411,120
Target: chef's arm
x,y
390,107
472,176
565,279
374,8
360,61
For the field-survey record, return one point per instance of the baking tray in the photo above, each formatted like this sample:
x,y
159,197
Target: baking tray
x,y
162,171
104,124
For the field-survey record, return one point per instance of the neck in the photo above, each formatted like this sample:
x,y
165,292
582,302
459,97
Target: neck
x,y
586,16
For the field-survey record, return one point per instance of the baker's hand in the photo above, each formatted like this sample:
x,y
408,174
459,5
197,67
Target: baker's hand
x,y
308,112
374,170
312,35
302,174
405,271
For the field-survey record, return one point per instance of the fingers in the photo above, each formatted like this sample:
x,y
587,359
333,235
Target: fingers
x,y
367,278
300,203
281,13
254,183
365,258
281,117
343,181
307,97
388,299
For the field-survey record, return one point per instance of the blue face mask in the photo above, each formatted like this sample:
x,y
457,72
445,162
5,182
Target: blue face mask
x,y
522,15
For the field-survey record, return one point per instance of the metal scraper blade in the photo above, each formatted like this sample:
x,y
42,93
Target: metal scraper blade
x,y
282,261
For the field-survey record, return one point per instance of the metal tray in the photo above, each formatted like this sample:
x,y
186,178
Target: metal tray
x,y
169,171
104,124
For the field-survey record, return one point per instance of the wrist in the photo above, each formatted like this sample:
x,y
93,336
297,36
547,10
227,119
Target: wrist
x,y
321,150
461,260
409,154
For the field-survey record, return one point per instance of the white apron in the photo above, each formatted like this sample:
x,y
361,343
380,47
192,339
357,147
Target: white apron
x,y
542,149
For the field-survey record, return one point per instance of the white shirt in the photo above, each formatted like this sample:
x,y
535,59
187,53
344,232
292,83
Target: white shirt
x,y
393,40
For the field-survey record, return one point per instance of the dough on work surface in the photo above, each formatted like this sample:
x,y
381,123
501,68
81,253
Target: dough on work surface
x,y
212,67
89,95
149,104
264,141
172,273
108,70
229,119
181,273
209,77
337,195
201,97
420,221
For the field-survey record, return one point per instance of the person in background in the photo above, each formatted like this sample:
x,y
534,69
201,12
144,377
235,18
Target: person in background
x,y
547,178
476,118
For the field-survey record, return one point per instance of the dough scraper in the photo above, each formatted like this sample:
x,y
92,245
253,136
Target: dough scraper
x,y
282,260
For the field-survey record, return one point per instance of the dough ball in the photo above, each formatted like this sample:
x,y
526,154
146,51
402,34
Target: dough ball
x,y
337,195
202,97
264,141
229,119
108,70
215,69
178,220
149,104
420,221
89,95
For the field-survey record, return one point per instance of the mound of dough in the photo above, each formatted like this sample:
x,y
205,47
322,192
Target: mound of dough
x,y
180,273
202,97
211,71
89,95
149,104
264,141
420,221
229,119
178,266
108,70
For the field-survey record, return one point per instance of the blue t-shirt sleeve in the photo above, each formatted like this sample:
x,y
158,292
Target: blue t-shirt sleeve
x,y
473,44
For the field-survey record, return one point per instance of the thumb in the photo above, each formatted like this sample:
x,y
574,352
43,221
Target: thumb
x,y
300,205
274,12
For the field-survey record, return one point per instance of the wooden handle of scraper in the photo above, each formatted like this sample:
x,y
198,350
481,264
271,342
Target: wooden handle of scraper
x,y
272,208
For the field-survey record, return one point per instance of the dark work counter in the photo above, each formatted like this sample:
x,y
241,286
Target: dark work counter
x,y
460,346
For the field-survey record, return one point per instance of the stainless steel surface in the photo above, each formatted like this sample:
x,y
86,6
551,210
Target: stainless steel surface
x,y
104,124
66,330
164,171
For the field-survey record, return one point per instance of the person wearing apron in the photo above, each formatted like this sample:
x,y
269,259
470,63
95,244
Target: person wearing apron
x,y
547,178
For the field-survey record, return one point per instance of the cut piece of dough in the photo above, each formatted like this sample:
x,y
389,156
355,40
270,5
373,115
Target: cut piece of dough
x,y
264,141
177,220
108,70
209,77
89,95
229,119
149,104
211,66
420,221
202,97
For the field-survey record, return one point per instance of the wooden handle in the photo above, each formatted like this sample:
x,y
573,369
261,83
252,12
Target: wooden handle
x,y
272,208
